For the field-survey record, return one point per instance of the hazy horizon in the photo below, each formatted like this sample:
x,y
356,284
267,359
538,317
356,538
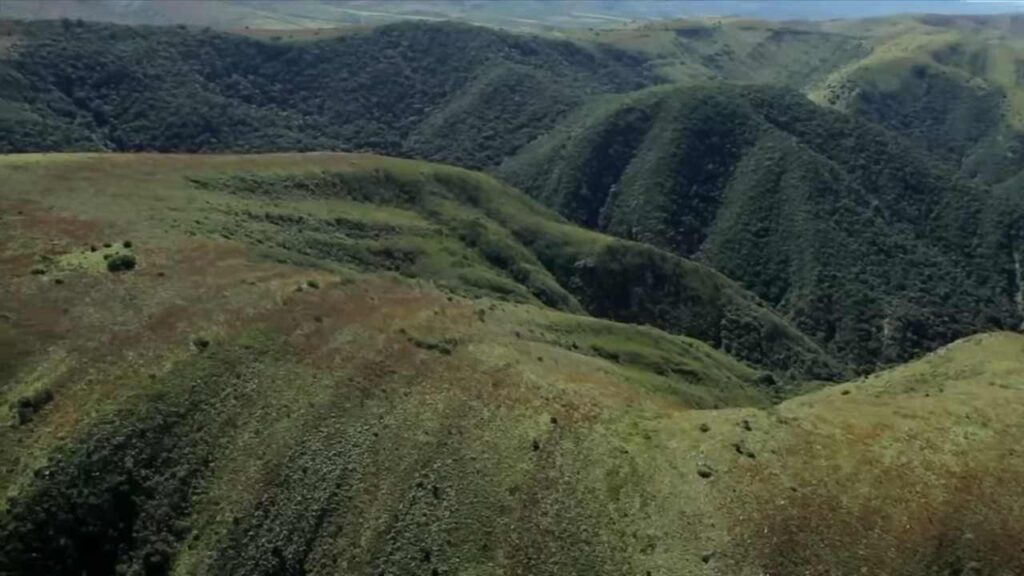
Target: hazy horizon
x,y
269,14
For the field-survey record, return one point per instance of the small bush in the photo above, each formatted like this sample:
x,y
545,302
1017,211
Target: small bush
x,y
28,406
200,343
127,244
313,284
444,347
121,263
742,449
705,471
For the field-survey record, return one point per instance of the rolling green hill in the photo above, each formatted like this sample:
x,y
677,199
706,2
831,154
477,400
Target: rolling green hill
x,y
301,373
875,249
794,54
953,84
460,230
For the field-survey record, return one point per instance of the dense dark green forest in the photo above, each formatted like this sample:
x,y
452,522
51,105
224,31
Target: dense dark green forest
x,y
874,247
461,94
958,122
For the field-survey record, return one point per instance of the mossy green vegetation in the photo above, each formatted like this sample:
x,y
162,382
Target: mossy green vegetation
x,y
208,417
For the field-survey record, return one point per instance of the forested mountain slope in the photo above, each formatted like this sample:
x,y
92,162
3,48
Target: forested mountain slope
x,y
457,93
871,246
953,84
471,95
301,373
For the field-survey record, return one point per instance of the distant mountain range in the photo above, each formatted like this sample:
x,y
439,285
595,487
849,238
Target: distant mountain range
x,y
512,14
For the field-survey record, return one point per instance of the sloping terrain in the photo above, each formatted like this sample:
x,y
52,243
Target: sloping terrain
x,y
795,54
872,247
461,230
472,96
250,399
954,85
397,89
284,16
880,244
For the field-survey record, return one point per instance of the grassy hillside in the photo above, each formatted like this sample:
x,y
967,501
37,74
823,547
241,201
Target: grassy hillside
x,y
248,400
954,85
399,89
460,230
873,248
737,50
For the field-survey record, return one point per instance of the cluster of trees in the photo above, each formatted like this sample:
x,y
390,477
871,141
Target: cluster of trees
x,y
638,284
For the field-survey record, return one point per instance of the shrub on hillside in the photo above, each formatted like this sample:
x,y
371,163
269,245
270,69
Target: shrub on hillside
x,y
27,406
121,263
